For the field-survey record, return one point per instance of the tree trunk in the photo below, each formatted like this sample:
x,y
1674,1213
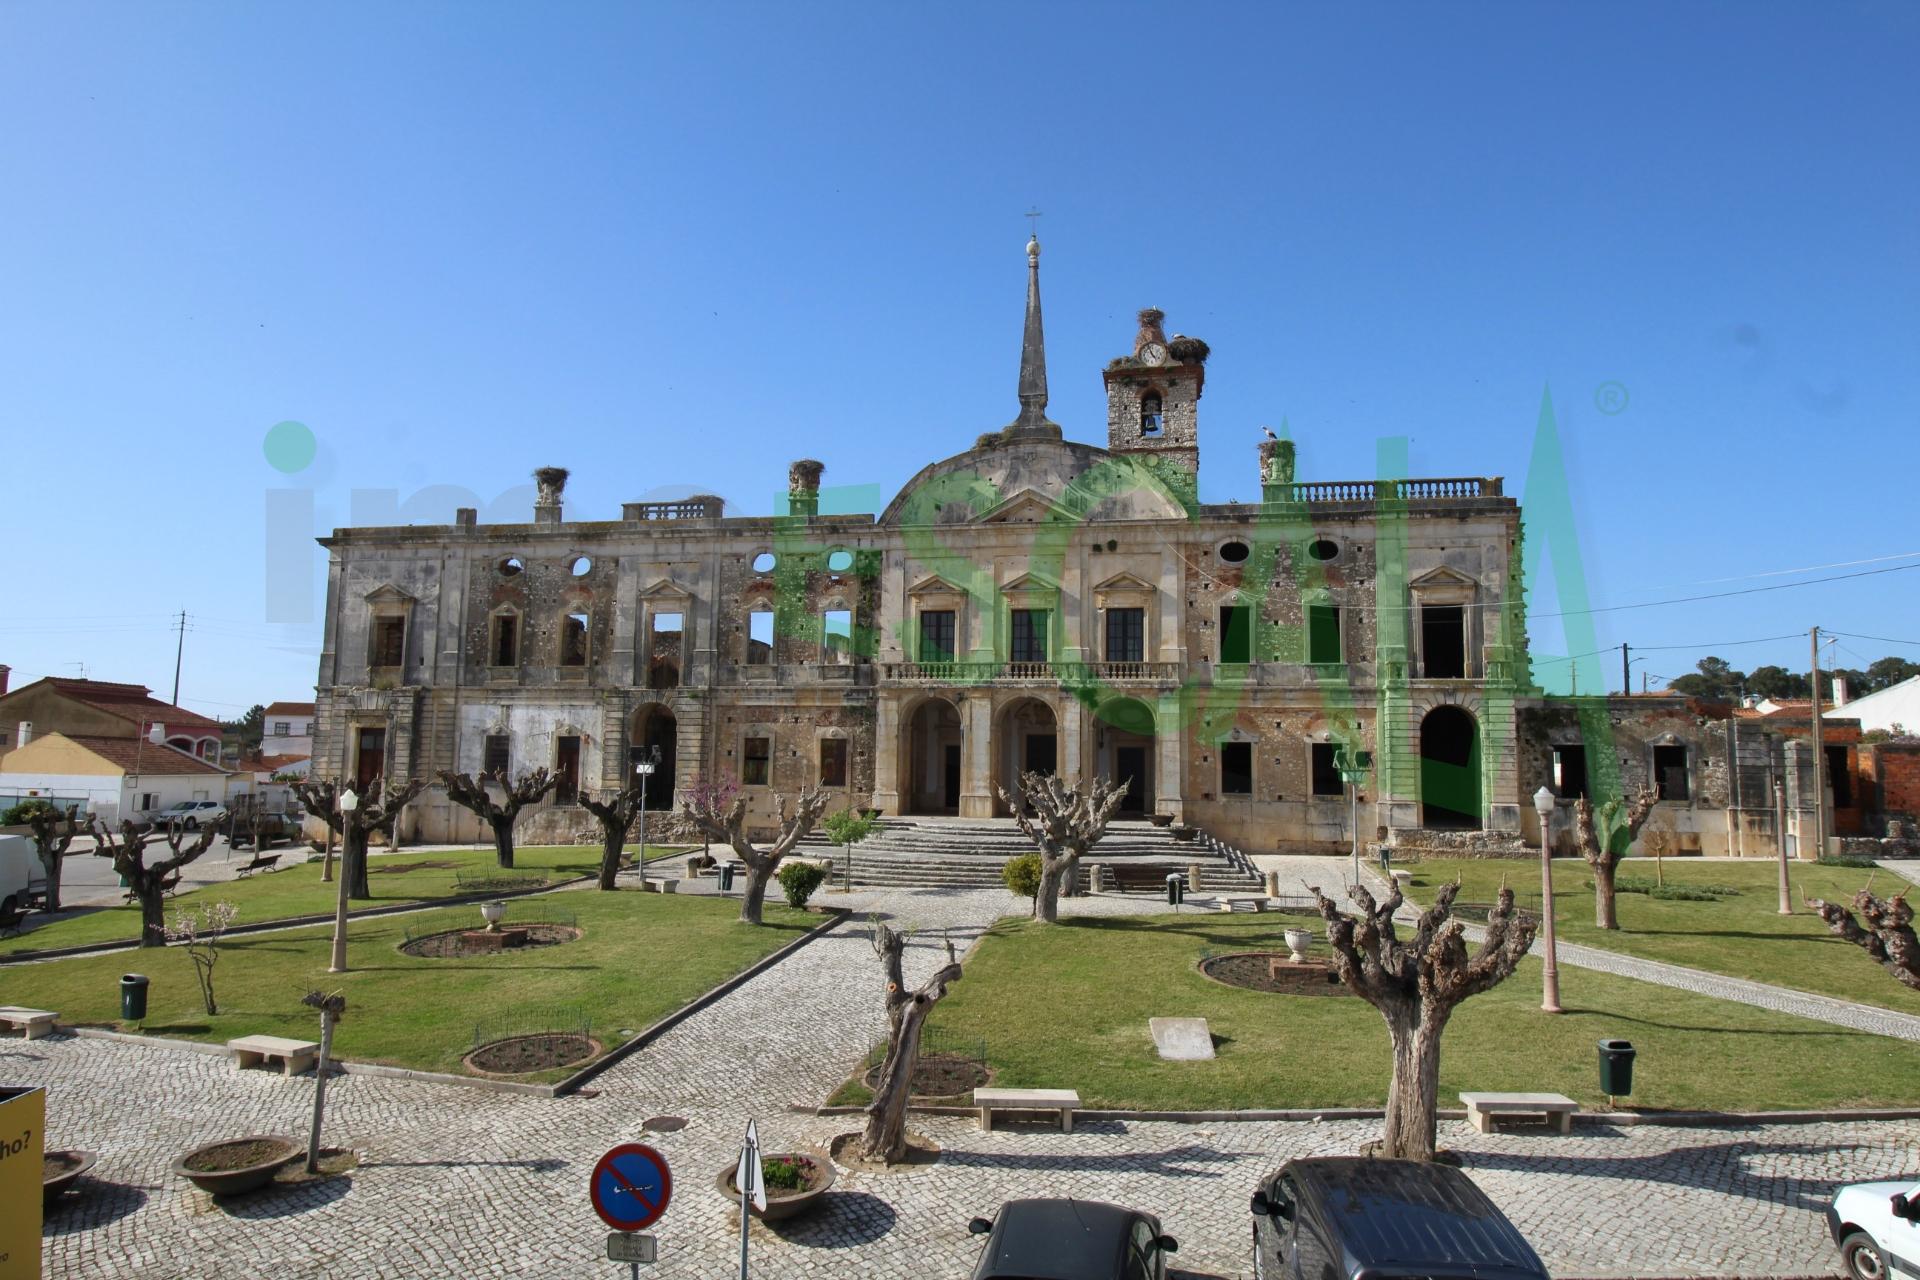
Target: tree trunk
x,y
503,841
1413,1099
1603,916
753,898
353,862
51,865
885,1138
612,845
1046,900
153,910
320,1091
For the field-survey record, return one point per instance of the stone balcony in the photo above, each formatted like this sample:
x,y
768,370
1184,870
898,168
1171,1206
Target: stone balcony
x,y
1029,673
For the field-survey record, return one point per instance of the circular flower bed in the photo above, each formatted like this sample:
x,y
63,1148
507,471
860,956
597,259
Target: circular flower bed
x,y
794,1183
940,1075
1273,972
517,1055
455,943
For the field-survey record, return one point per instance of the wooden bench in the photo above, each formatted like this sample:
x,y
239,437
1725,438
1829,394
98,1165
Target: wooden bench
x,y
1484,1108
1064,1101
168,887
266,863
256,1051
32,1023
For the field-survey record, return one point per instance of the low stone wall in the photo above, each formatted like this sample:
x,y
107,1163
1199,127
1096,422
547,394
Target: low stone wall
x,y
1410,845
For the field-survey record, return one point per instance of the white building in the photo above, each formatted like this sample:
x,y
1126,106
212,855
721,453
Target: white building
x,y
1895,707
112,777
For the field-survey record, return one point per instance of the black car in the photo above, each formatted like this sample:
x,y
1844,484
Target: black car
x,y
1071,1240
1358,1219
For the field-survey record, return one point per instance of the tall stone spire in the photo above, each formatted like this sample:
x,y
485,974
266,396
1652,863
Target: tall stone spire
x,y
1032,424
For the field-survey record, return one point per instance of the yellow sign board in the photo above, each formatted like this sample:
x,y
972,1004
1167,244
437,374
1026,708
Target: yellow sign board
x,y
23,1127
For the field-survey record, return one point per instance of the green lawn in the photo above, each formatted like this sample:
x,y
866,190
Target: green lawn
x,y
1067,1006
641,956
1740,934
298,891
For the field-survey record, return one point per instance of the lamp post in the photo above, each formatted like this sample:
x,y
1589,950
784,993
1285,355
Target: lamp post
x,y
347,803
1353,771
645,766
1780,844
1550,980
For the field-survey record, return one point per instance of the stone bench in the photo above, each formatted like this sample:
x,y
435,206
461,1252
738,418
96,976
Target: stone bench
x,y
256,1051
1484,1108
32,1023
1064,1101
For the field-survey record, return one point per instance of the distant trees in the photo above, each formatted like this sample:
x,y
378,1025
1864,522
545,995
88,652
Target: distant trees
x,y
1716,679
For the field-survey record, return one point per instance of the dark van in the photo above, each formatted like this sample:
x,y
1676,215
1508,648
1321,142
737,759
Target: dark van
x,y
1356,1219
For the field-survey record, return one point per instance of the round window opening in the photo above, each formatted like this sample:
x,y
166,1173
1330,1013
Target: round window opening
x,y
839,561
1233,552
582,566
763,563
510,566
1323,549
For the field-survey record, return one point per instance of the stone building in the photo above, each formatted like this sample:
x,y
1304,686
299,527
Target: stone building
x,y
1030,602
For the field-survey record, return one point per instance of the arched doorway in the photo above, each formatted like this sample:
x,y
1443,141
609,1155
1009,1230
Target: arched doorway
x,y
654,726
1450,770
1123,751
930,758
1026,740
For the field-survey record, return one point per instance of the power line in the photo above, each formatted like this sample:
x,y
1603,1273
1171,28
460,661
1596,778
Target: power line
x,y
1722,595
1855,635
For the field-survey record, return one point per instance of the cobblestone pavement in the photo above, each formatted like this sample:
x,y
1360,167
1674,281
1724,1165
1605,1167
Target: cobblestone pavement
x,y
456,1181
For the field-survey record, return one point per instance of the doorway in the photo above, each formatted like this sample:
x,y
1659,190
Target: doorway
x,y
1450,770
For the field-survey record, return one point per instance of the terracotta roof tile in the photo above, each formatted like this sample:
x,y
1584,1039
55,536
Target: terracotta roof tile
x,y
133,753
289,708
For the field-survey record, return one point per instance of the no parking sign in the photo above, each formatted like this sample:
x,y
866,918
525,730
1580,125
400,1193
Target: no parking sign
x,y
630,1187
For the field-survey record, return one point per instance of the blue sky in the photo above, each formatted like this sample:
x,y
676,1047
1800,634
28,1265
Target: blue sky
x,y
674,247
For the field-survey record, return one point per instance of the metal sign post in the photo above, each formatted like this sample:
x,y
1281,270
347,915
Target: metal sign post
x,y
753,1188
630,1187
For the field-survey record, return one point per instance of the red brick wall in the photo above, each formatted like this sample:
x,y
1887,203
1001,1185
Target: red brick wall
x,y
1895,775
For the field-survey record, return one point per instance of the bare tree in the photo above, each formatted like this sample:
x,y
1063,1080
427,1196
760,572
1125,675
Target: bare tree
x,y
1887,935
376,812
149,882
332,1008
470,792
885,1137
616,814
1416,987
1065,821
53,831
1604,843
718,811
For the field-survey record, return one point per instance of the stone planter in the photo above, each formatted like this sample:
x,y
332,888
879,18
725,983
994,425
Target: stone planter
x,y
261,1164
1183,834
1298,940
491,913
783,1203
59,1170
1160,819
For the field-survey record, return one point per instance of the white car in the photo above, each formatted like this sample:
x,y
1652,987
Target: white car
x,y
1877,1226
191,814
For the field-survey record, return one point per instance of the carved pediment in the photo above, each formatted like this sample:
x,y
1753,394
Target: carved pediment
x,y
666,589
934,584
387,593
1121,582
1029,581
1029,506
1443,577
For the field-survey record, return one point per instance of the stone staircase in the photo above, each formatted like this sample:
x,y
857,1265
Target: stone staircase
x,y
935,852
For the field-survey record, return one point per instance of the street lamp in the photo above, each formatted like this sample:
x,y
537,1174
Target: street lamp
x,y
1550,981
645,766
347,803
1353,771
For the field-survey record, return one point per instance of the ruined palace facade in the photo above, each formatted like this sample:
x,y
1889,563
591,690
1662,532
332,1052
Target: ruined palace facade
x,y
1028,603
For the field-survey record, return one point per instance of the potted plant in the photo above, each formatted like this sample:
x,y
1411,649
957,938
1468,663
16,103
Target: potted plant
x,y
236,1165
795,1183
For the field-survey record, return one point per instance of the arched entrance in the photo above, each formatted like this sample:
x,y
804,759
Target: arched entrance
x,y
1026,740
1123,751
654,725
1450,770
930,756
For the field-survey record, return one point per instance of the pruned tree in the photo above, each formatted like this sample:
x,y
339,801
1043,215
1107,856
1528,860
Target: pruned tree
x,y
53,831
376,812
718,811
332,1008
1063,821
885,1137
1416,986
1604,838
616,814
469,791
1887,934
149,881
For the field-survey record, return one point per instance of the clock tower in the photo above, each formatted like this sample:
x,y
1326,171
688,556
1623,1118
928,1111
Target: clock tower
x,y
1153,403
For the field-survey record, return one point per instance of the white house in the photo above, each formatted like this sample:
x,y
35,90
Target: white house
x,y
1894,707
114,776
286,739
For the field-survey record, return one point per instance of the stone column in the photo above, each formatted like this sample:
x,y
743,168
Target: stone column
x,y
886,755
976,755
1073,741
1169,762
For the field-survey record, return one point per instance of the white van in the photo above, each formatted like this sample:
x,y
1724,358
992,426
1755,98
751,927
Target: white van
x,y
21,876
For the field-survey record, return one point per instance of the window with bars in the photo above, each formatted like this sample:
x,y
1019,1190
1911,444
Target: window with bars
x,y
389,642
1126,635
936,635
833,762
494,758
756,762
1029,639
506,640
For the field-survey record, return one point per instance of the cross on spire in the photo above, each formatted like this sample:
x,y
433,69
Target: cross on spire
x,y
1033,217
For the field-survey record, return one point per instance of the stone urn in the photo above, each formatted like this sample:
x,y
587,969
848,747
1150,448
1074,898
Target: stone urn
x,y
1298,940
60,1170
784,1202
238,1164
491,912
1184,834
1160,819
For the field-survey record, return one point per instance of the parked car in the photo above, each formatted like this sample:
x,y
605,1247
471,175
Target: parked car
x,y
1877,1227
191,814
274,827
22,879
1071,1240
1362,1219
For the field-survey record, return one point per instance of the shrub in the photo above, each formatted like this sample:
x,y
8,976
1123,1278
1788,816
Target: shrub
x,y
1681,893
26,811
1825,859
1022,874
782,1173
798,880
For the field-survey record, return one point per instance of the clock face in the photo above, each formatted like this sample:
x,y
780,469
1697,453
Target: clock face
x,y
1153,353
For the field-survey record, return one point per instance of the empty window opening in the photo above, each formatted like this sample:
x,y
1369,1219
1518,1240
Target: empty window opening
x,y
833,762
759,637
1152,419
1236,769
756,762
1126,635
764,562
1234,552
573,640
1326,769
581,567
511,566
1670,772
506,640
936,635
1029,635
839,560
836,636
566,766
1236,633
1443,642
1570,772
1839,779
663,658
389,642
1323,549
1323,633
495,757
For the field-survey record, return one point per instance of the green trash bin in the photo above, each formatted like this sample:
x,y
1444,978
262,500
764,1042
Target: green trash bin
x,y
1616,1068
726,877
133,996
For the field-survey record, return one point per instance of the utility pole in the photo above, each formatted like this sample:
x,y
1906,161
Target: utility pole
x,y
1819,759
179,651
1626,673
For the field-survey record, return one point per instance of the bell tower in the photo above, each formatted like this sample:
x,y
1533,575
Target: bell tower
x,y
1153,403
